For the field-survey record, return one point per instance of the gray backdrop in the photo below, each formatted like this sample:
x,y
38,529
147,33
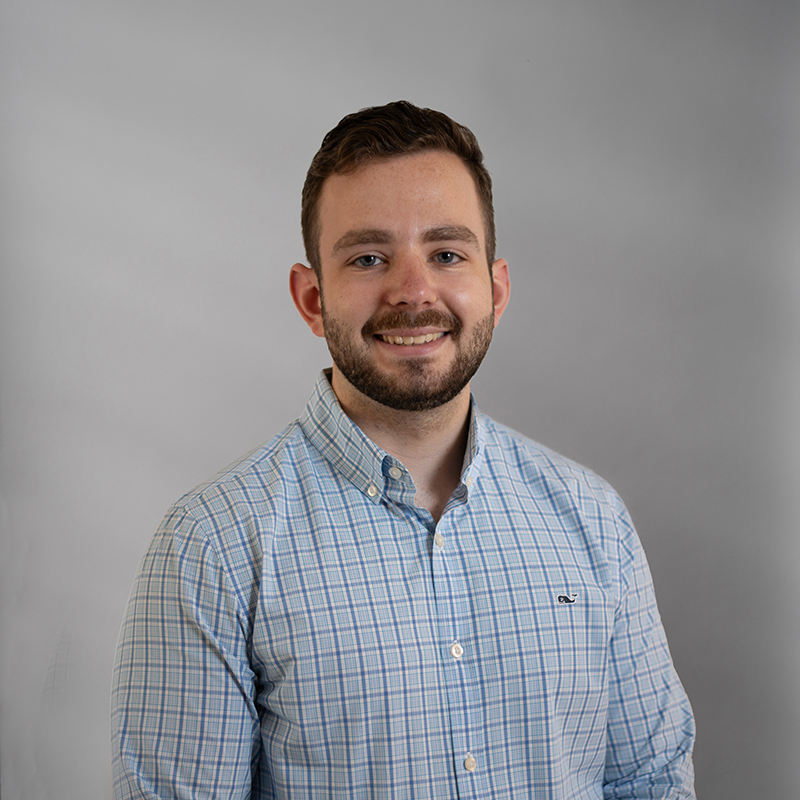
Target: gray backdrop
x,y
646,174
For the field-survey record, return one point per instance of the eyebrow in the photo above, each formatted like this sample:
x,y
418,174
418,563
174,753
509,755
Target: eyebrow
x,y
361,236
451,233
442,233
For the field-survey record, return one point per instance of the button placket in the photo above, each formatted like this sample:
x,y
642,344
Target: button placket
x,y
453,610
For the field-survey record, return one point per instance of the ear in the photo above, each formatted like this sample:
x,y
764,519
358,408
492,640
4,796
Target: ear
x,y
501,288
304,288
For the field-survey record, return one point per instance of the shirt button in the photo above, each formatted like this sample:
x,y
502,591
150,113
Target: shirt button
x,y
468,480
396,472
456,650
372,490
439,539
470,763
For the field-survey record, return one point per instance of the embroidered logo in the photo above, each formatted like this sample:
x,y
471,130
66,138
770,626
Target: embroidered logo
x,y
567,598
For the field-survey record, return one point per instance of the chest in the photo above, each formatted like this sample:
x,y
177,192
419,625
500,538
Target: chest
x,y
360,594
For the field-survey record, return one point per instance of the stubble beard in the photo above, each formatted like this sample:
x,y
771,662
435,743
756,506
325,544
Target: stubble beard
x,y
417,387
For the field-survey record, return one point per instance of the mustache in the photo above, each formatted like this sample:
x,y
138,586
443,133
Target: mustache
x,y
402,319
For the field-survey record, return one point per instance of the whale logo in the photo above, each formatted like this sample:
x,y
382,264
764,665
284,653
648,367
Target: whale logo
x,y
566,598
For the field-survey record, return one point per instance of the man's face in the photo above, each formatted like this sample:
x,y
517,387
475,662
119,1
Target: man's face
x,y
408,303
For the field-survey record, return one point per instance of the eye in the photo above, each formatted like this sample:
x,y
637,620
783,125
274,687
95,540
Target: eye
x,y
368,261
447,257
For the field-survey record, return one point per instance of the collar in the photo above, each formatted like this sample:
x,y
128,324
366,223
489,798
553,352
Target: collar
x,y
357,458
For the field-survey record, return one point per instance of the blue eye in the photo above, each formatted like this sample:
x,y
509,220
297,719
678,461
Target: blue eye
x,y
447,257
367,261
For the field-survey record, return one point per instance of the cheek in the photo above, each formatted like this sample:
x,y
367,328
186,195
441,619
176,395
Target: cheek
x,y
476,300
350,311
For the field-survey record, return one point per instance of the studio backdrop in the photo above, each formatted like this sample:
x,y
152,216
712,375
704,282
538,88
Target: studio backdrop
x,y
646,172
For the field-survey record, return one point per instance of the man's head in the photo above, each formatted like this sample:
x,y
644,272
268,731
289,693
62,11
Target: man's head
x,y
383,132
412,292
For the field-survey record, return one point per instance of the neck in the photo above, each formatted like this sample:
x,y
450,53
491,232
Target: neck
x,y
430,444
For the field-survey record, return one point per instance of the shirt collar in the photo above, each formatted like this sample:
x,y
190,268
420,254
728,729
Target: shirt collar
x,y
355,456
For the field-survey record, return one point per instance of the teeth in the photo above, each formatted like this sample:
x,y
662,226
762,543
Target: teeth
x,y
407,340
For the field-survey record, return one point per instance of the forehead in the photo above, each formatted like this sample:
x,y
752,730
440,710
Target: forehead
x,y
404,195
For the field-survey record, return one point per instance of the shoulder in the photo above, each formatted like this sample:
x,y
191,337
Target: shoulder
x,y
531,460
260,469
571,491
226,524
236,506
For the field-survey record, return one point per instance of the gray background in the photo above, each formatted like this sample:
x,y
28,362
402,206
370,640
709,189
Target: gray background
x,y
646,174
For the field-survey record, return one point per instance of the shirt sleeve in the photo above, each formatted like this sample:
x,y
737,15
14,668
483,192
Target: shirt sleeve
x,y
650,730
184,719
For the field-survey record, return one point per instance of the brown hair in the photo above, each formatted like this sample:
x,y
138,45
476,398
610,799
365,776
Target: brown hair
x,y
395,129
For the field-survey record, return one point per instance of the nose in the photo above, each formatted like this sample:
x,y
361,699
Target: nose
x,y
410,282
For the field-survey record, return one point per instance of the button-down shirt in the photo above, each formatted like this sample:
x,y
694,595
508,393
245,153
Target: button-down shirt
x,y
300,628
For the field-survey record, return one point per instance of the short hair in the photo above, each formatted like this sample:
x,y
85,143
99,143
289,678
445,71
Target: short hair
x,y
380,132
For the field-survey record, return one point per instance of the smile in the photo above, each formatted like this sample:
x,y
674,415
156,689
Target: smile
x,y
410,340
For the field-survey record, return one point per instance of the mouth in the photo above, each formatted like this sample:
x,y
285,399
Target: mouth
x,y
410,340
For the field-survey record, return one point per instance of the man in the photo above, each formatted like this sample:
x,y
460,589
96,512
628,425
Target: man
x,y
396,596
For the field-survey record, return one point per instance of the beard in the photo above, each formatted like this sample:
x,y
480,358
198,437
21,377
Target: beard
x,y
417,387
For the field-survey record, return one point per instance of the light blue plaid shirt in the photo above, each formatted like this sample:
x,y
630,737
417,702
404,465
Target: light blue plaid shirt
x,y
299,628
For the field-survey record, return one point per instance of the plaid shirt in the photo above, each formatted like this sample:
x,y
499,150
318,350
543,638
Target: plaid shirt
x,y
299,628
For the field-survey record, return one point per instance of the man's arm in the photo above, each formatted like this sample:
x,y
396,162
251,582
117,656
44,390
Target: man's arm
x,y
650,722
184,721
